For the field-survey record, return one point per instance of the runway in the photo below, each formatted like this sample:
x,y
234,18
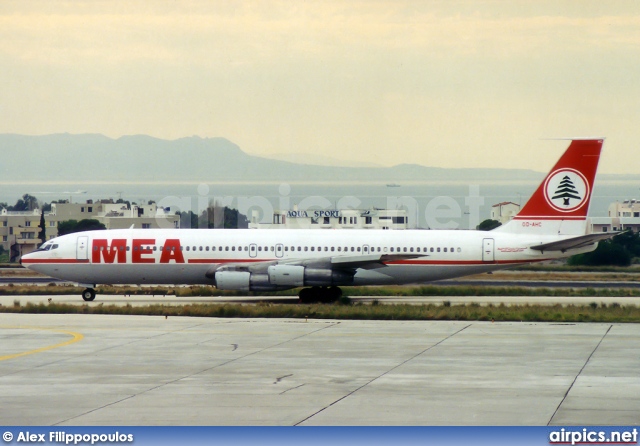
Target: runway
x,y
132,370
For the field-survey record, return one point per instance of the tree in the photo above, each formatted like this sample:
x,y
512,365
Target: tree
x,y
42,235
607,253
488,225
618,251
26,203
215,216
71,226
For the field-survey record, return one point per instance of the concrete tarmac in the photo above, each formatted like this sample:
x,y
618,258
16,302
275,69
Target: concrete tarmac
x,y
136,370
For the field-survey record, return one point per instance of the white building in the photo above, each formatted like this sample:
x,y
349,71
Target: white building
x,y
622,215
334,219
117,215
505,211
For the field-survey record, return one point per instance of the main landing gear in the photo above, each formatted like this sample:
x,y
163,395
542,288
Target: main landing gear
x,y
89,294
319,294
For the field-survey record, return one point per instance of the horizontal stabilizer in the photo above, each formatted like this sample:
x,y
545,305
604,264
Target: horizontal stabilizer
x,y
574,242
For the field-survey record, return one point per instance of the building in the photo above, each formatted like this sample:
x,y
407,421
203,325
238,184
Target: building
x,y
505,211
117,215
334,219
622,215
19,230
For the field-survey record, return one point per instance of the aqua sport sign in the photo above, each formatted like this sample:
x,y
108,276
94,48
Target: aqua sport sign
x,y
315,214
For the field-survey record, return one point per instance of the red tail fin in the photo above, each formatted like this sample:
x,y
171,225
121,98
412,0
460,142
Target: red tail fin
x,y
560,204
566,191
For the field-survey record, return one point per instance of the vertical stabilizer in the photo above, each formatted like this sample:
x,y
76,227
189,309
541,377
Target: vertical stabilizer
x,y
560,204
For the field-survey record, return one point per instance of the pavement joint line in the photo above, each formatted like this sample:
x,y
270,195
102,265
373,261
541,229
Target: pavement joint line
x,y
173,381
383,374
578,375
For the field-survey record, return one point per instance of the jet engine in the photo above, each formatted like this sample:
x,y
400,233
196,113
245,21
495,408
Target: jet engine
x,y
281,277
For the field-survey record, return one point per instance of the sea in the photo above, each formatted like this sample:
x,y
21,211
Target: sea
x,y
429,205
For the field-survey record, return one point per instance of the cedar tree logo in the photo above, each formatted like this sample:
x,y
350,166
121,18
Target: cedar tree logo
x,y
566,190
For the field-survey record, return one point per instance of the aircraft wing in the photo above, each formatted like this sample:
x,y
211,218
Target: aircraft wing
x,y
331,263
574,242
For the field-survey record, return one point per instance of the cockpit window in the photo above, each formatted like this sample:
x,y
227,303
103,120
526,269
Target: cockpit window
x,y
48,247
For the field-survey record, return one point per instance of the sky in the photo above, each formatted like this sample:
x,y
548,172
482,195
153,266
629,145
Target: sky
x,y
451,83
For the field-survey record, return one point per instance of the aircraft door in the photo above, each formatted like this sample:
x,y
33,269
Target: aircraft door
x,y
82,250
365,249
279,250
253,250
488,253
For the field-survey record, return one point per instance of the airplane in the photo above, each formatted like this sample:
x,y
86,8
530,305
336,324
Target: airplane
x,y
552,225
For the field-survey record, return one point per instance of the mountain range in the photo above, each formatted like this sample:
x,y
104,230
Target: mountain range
x,y
93,157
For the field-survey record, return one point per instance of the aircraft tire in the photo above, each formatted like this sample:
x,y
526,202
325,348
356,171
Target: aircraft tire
x,y
335,293
319,294
89,294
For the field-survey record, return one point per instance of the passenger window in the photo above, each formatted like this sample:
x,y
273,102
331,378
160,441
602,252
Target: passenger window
x,y
404,249
451,249
313,248
445,249
431,249
333,248
339,248
352,249
306,248
233,248
417,249
207,248
259,248
459,250
392,249
438,249
226,248
358,249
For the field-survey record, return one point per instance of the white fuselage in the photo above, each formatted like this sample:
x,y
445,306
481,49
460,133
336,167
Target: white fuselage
x,y
183,256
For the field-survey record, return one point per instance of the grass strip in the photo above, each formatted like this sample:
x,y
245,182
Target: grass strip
x,y
594,312
425,290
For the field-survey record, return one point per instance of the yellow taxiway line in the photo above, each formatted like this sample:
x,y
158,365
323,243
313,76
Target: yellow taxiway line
x,y
75,338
